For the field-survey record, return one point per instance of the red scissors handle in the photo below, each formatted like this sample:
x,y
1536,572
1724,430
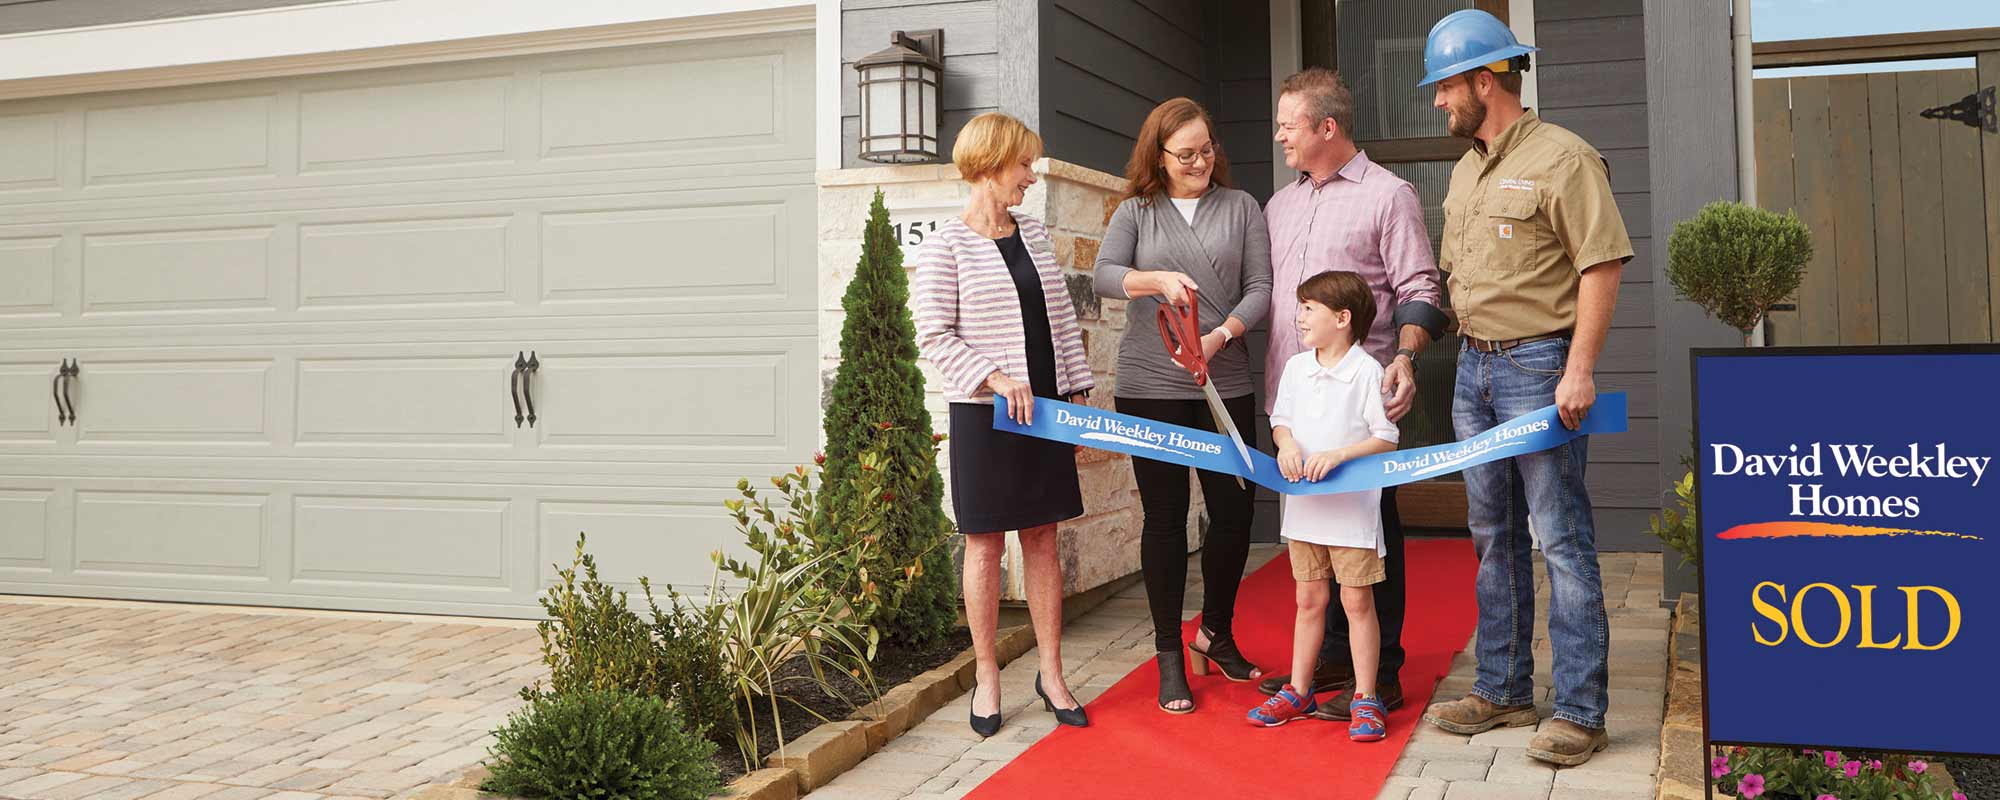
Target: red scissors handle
x,y
1180,330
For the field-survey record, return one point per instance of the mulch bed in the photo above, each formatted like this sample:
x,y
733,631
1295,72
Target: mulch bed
x,y
893,666
1978,778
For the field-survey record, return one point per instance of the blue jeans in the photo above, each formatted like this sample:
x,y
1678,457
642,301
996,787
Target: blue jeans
x,y
1501,497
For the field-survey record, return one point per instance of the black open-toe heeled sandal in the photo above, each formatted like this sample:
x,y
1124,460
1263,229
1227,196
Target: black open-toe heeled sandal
x,y
1223,652
1173,682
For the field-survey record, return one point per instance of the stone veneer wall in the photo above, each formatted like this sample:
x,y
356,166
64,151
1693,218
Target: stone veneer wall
x,y
1076,203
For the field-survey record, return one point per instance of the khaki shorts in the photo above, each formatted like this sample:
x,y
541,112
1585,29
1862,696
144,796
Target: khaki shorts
x,y
1351,566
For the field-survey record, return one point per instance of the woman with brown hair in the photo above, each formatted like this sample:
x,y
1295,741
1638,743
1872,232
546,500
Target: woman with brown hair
x,y
1181,227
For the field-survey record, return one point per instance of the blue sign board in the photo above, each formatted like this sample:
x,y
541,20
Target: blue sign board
x,y
1850,546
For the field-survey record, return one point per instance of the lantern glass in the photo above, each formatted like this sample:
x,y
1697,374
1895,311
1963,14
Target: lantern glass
x,y
881,105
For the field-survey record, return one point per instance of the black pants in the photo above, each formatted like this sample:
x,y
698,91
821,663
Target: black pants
x,y
1164,497
1390,603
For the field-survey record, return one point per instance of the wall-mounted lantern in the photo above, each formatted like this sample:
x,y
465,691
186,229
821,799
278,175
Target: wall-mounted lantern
x,y
900,115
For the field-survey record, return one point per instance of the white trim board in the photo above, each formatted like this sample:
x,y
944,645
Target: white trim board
x,y
359,34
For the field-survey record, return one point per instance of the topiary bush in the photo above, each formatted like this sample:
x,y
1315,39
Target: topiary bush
x,y
603,744
879,389
1737,261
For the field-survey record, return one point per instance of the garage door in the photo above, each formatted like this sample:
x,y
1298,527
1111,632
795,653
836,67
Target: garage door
x,y
295,309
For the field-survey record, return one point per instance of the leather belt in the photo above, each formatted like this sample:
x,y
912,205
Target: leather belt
x,y
1491,345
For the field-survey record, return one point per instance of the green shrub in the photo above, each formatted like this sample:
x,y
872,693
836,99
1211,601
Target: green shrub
x,y
873,576
1679,530
1737,261
690,658
601,744
878,398
591,639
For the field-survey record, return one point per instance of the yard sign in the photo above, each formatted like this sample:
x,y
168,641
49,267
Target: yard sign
x,y
1850,546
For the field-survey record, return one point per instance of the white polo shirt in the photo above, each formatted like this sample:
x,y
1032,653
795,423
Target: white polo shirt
x,y
1329,408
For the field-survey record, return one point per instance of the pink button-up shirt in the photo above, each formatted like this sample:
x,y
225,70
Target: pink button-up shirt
x,y
1363,219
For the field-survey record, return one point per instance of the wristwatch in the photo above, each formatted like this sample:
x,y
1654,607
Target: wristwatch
x,y
1224,330
1404,351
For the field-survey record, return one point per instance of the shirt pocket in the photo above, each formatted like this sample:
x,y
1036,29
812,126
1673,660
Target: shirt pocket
x,y
1513,229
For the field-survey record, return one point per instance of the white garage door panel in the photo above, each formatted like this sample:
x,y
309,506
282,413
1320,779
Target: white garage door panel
x,y
25,516
665,401
656,253
406,124
28,275
185,533
178,270
28,151
27,401
209,138
173,401
296,304
667,543
432,541
459,260
405,403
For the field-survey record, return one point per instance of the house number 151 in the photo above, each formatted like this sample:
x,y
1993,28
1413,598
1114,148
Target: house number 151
x,y
911,234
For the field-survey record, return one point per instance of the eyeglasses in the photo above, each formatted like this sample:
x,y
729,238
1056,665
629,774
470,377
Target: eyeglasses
x,y
1187,157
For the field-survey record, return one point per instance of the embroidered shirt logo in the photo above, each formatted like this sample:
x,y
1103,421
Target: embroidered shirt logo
x,y
1506,231
1516,185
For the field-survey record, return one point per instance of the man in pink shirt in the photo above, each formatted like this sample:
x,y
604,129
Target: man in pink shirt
x,y
1345,212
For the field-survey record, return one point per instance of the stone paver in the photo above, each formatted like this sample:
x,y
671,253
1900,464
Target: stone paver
x,y
1105,644
117,700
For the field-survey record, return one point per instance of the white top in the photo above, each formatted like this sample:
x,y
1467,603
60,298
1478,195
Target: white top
x,y
1186,207
1329,408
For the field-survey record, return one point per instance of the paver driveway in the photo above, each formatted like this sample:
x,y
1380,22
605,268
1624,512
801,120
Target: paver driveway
x,y
111,700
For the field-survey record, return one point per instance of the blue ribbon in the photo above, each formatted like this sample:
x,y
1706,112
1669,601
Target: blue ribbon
x,y
1145,438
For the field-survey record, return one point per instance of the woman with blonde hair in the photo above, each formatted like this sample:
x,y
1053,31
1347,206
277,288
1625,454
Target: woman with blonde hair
x,y
994,317
1181,227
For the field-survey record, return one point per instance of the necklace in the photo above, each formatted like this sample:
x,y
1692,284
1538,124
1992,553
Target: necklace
x,y
990,231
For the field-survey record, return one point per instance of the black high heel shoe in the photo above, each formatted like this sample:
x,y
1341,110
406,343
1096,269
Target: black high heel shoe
x,y
1223,652
1173,682
987,725
1073,717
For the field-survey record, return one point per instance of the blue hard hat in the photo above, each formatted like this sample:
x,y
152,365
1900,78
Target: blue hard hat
x,y
1466,40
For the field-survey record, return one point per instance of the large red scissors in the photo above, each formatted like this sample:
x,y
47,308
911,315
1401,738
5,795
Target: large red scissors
x,y
1180,330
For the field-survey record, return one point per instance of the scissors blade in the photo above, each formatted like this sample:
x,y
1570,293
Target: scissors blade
x,y
1227,425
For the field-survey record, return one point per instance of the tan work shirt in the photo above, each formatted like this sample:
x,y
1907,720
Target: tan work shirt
x,y
1521,223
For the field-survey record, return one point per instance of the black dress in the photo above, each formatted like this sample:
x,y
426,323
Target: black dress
x,y
1003,481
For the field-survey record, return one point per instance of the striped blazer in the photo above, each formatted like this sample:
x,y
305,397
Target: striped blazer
x,y
968,314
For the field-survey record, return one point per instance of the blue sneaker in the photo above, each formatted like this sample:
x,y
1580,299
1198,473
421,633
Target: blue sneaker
x,y
1369,721
1283,707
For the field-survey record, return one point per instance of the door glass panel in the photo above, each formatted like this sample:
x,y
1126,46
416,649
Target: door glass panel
x,y
1380,47
1429,420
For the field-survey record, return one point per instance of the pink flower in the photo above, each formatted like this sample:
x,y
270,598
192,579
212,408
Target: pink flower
x,y
1832,759
1918,767
1826,797
1957,796
1718,766
1751,786
1853,768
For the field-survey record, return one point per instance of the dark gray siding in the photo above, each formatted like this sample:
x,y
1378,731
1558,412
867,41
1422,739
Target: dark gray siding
x,y
1693,131
1591,75
973,68
1106,63
1239,90
19,16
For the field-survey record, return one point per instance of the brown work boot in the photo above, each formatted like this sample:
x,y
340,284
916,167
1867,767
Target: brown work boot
x,y
1567,743
1475,714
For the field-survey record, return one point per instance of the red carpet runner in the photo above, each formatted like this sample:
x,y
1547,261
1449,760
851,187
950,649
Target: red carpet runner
x,y
1134,750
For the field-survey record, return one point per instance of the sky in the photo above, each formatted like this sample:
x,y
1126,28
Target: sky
x,y
1772,20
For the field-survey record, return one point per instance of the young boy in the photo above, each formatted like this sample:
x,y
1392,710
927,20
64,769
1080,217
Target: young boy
x,y
1329,410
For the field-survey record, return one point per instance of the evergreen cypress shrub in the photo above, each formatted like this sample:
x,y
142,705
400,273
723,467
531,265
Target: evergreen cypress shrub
x,y
878,382
604,744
